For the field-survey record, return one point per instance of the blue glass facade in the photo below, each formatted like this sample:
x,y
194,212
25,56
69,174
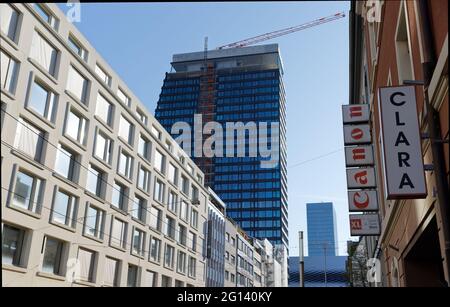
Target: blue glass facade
x,y
256,197
319,272
321,229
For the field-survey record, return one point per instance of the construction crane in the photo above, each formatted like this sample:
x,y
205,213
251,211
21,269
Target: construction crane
x,y
278,33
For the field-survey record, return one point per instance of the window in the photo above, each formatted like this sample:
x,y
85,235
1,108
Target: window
x,y
156,132
86,259
192,266
142,117
184,211
64,209
118,233
125,167
173,174
173,202
67,163
77,48
139,209
182,234
103,75
155,249
194,194
138,242
123,97
95,181
119,196
227,237
227,256
52,260
103,147
44,53
42,100
168,256
233,259
170,227
28,192
227,275
76,127
12,241
126,130
77,84
9,18
155,218
232,277
9,71
194,219
112,267
94,222
29,140
233,241
181,262
402,48
158,194
169,146
46,15
184,184
192,241
144,147
150,278
144,179
160,161
104,110
132,278
166,281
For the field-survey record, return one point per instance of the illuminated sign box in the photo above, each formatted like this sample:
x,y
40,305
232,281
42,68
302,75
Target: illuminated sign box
x,y
364,225
359,155
355,113
363,200
359,178
357,134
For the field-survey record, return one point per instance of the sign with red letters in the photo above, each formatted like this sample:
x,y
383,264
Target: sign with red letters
x,y
355,113
359,155
357,134
362,200
358,178
364,225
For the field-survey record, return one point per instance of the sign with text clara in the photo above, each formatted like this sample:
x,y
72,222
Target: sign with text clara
x,y
363,200
403,162
364,225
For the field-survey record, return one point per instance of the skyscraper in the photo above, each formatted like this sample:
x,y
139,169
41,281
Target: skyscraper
x,y
322,231
238,85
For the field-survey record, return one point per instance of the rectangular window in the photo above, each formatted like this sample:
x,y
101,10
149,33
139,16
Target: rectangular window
x,y
170,227
155,218
166,281
185,184
156,132
94,222
104,110
155,249
126,130
138,242
9,18
95,181
86,259
112,267
173,174
144,179
76,127
172,202
158,193
132,278
168,146
44,53
139,209
12,241
192,264
9,71
118,233
119,196
46,15
65,208
168,256
160,161
150,278
29,140
192,241
125,167
67,163
28,192
194,197
194,219
77,48
77,84
182,234
142,117
232,277
184,211
144,147
123,97
43,101
181,262
52,260
103,75
103,147
190,169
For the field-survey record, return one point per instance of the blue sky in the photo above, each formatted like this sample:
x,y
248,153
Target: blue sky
x,y
139,39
